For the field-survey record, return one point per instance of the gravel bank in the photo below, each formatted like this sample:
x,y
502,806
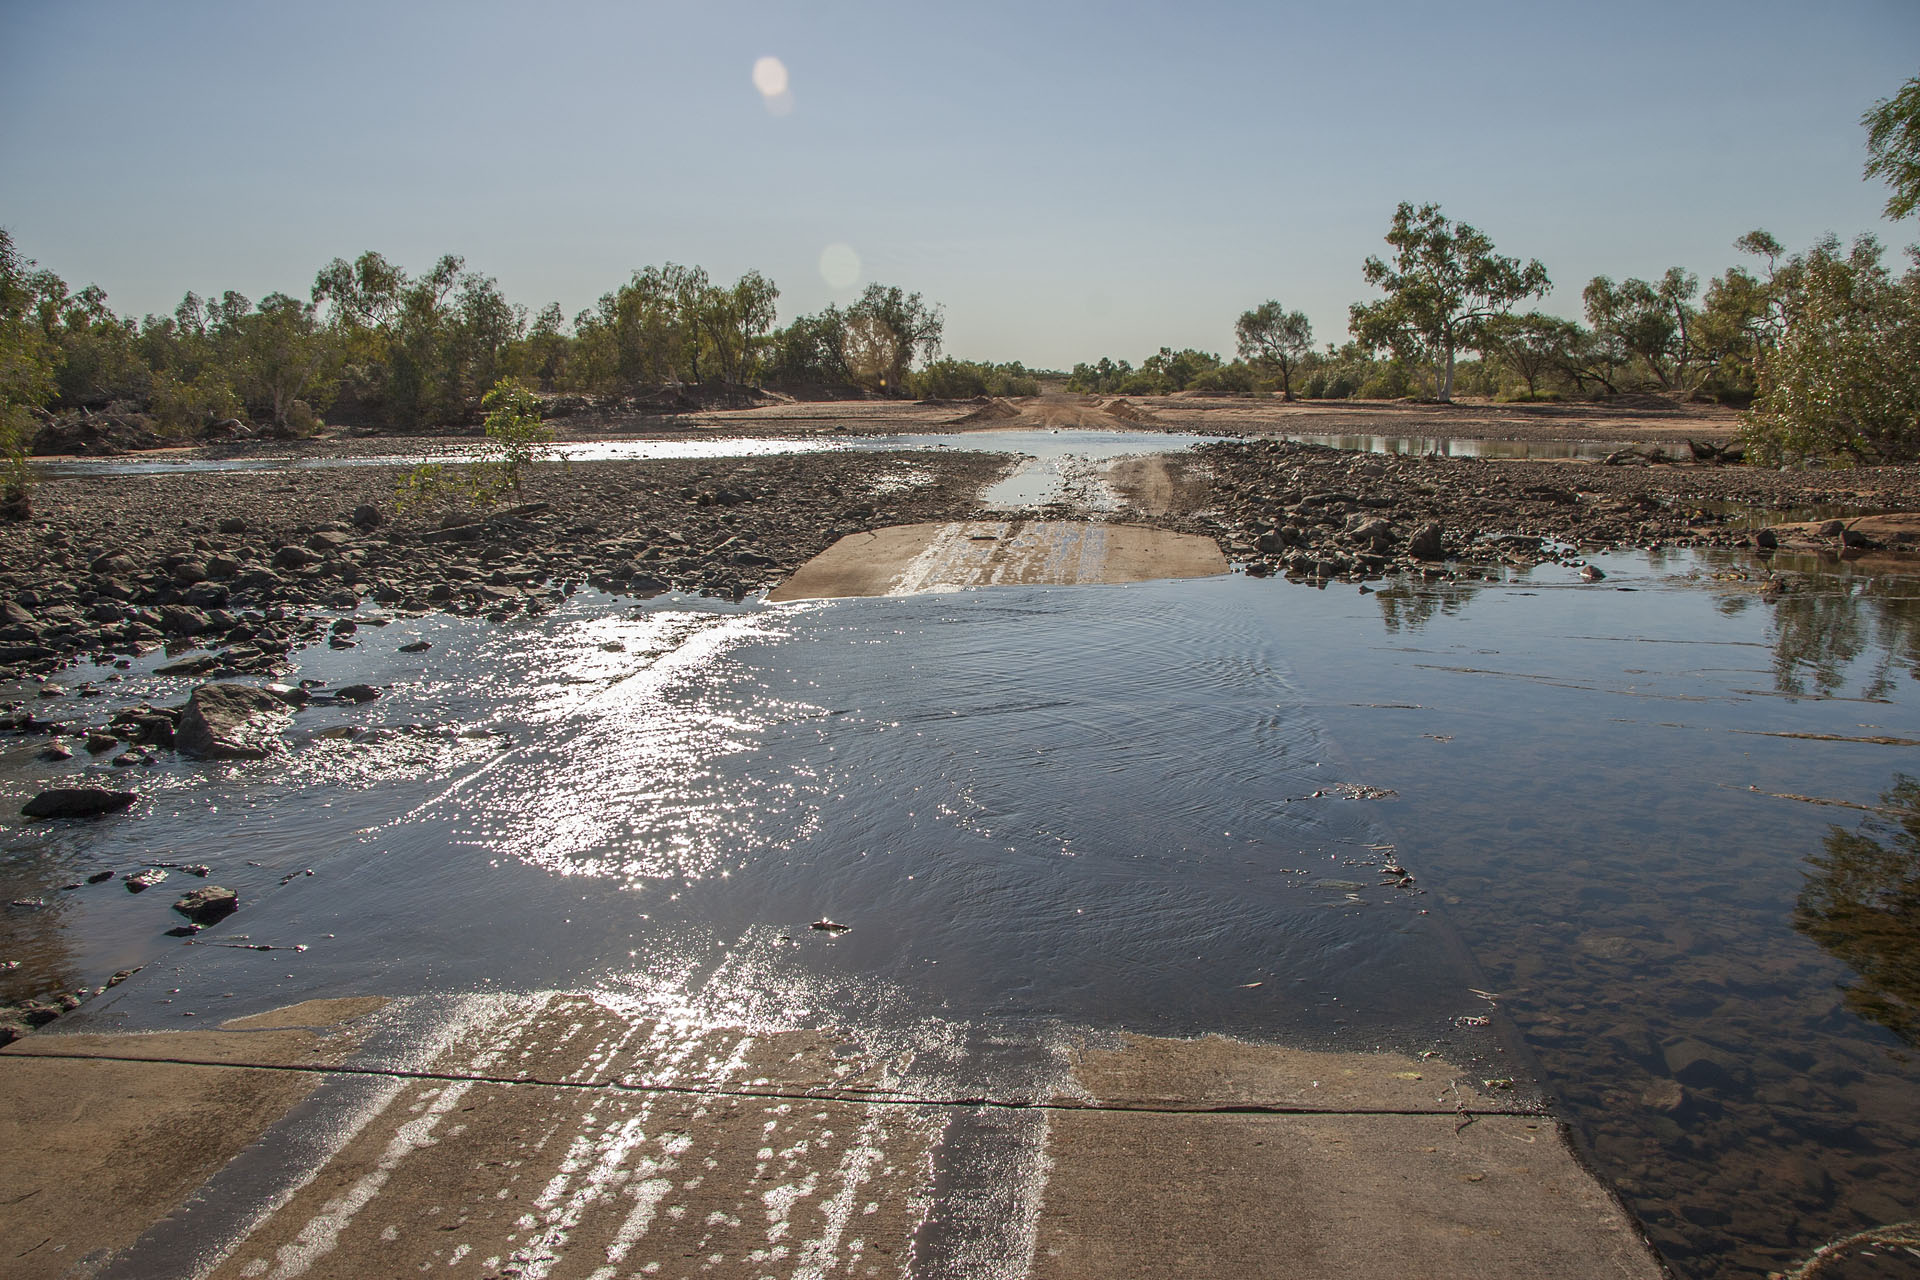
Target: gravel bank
x,y
240,562
1311,512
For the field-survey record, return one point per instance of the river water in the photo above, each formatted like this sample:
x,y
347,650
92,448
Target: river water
x,y
1652,839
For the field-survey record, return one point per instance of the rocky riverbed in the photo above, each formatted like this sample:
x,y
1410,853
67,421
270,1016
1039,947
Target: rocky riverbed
x,y
1318,514
246,564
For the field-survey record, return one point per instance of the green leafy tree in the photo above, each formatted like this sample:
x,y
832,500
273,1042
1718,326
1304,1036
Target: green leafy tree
x,y
807,353
1275,338
420,351
951,379
1649,327
1102,377
734,324
1743,316
672,324
26,378
1532,346
1444,283
515,434
1893,147
96,361
1844,378
881,334
277,354
545,352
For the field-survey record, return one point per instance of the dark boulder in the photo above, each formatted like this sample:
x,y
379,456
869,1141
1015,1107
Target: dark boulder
x,y
77,802
208,905
230,722
1426,543
182,620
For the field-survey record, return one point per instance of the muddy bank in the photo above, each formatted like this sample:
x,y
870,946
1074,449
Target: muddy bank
x,y
1310,512
236,562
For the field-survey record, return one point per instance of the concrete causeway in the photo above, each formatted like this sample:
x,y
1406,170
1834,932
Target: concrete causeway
x,y
905,559
570,1135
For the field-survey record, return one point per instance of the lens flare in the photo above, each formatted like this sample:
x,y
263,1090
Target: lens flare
x,y
770,79
839,266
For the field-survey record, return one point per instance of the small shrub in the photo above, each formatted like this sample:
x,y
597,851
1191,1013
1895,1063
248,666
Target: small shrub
x,y
516,439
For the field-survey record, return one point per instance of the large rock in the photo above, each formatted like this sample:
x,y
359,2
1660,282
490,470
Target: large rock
x,y
1426,543
182,620
24,653
230,722
76,802
205,906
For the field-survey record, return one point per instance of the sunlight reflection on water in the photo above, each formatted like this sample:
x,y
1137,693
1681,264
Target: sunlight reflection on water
x,y
618,779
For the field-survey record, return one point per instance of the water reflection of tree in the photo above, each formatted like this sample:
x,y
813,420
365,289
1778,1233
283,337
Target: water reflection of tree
x,y
1410,606
1861,903
1819,634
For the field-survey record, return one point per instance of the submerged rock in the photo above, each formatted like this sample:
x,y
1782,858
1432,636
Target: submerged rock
x,y
24,1016
77,802
230,722
205,906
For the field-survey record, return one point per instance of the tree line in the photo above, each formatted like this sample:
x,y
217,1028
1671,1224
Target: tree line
x,y
374,344
1449,322
1823,345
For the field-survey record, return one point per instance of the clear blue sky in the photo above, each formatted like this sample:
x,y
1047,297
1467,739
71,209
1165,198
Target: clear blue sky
x,y
1068,180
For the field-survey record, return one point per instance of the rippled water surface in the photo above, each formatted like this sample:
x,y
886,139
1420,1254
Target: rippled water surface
x,y
1663,822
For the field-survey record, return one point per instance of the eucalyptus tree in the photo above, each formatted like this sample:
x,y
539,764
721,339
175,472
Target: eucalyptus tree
x,y
883,331
279,355
1844,378
1272,336
734,324
26,378
1443,284
1893,147
1651,326
1533,346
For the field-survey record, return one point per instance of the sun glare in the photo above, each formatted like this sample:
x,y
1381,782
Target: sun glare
x,y
839,266
770,79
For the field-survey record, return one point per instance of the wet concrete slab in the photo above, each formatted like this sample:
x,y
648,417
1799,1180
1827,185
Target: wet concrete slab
x,y
908,559
565,1135
1136,1194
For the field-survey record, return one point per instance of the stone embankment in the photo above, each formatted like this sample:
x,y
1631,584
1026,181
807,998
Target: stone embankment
x,y
1316,513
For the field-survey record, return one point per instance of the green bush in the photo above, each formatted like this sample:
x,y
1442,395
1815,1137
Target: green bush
x,y
1844,380
183,407
516,439
1389,380
951,379
1233,379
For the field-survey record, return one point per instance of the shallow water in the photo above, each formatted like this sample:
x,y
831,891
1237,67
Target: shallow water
x,y
1048,447
1044,445
1458,446
1096,808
